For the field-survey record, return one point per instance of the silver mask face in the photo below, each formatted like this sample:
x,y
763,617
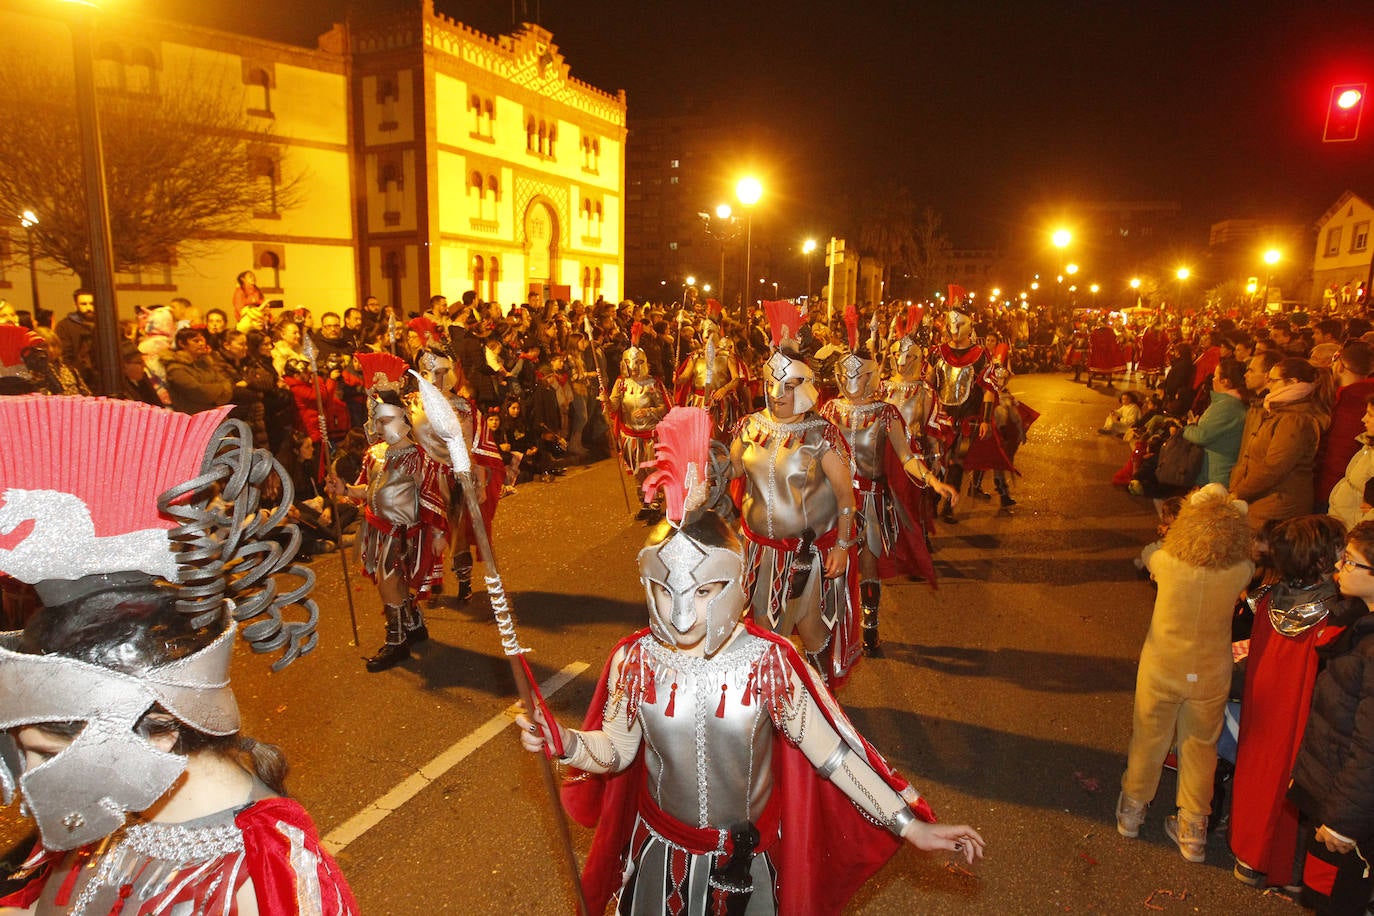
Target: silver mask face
x,y
634,363
783,369
389,423
957,322
84,792
681,565
438,371
857,377
906,356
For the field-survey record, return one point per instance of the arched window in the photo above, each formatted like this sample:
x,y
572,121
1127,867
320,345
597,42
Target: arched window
x,y
489,206
493,278
489,110
530,131
586,284
259,91
596,284
543,138
475,186
265,179
475,106
269,266
478,271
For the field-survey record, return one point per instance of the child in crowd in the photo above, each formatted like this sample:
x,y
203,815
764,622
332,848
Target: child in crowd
x,y
1125,417
1185,666
1168,511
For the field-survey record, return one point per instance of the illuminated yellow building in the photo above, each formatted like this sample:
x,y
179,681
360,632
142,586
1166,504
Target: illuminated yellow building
x,y
431,158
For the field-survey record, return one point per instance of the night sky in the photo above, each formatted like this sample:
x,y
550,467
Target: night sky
x,y
979,108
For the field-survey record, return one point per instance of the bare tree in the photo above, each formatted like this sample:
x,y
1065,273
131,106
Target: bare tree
x,y
931,265
184,165
886,232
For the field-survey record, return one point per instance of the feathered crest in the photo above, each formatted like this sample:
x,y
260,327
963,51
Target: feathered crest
x,y
382,371
956,297
784,320
915,314
14,340
713,308
636,331
682,456
851,326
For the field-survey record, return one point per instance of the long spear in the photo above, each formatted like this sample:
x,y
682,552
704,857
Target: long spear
x,y
308,348
445,423
605,399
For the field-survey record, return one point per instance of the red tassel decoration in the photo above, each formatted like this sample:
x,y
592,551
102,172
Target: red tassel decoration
x,y
672,701
64,893
125,891
748,690
720,707
650,694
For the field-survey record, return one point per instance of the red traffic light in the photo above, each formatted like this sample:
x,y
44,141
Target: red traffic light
x,y
1343,113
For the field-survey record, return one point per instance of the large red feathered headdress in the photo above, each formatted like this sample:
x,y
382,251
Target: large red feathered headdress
x,y
382,371
682,457
784,320
14,340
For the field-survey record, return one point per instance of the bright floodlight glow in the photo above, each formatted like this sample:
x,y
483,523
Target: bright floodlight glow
x,y
1061,238
749,190
706,288
1071,269
996,291
1272,256
1251,288
724,211
1349,99
1135,283
1035,285
28,218
1183,273
808,246
1094,288
691,281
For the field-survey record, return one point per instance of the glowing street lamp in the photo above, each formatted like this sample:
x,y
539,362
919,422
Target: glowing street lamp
x,y
1135,283
1182,273
1071,269
28,219
1271,257
808,249
748,190
1061,238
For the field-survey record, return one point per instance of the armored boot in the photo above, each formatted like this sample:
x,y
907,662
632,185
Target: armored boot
x,y
413,622
870,593
462,569
820,660
1000,482
975,486
394,650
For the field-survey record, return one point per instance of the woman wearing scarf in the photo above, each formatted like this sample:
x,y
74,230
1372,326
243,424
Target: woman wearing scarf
x,y
1274,472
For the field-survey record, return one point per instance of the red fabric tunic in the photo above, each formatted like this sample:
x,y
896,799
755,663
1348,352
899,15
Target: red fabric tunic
x,y
1279,677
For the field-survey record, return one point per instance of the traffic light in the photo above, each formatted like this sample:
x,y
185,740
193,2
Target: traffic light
x,y
1343,112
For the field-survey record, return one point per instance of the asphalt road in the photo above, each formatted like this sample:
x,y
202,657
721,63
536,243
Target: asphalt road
x,y
1005,696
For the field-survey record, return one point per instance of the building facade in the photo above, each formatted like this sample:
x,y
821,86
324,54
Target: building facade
x,y
1342,261
424,157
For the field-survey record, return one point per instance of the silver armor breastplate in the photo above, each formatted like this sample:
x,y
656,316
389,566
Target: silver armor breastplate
x,y
912,400
787,490
719,371
1294,611
639,396
703,769
866,434
393,494
954,384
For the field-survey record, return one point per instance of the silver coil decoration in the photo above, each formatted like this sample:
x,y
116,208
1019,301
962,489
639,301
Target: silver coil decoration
x,y
228,547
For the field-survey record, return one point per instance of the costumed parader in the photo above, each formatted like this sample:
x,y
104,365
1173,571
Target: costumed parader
x,y
720,774
488,465
960,373
405,498
637,402
797,510
1106,358
708,378
1010,418
908,389
118,725
887,474
1153,356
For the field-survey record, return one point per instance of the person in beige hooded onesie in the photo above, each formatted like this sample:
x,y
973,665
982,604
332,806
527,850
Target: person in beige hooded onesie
x,y
1185,665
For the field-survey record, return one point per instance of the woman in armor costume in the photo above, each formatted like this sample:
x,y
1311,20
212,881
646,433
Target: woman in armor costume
x,y
1006,422
709,378
405,495
964,395
720,774
883,466
637,402
117,722
797,512
488,467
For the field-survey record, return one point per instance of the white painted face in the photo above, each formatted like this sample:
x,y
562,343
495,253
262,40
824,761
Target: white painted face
x,y
389,423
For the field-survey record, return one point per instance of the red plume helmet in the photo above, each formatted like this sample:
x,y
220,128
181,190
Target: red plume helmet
x,y
784,320
713,309
14,340
851,325
914,315
682,458
636,330
382,371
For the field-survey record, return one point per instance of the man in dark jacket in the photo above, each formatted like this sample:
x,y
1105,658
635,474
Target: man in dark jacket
x,y
77,335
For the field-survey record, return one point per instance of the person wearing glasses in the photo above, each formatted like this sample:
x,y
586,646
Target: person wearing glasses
x,y
1333,778
1300,613
1274,473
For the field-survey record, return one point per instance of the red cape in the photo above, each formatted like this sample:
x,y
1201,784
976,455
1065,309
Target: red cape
x,y
909,556
827,850
1104,352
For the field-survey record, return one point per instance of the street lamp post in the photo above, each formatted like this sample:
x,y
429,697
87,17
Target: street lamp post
x,y
748,190
808,249
1182,273
1271,257
106,350
1061,239
28,219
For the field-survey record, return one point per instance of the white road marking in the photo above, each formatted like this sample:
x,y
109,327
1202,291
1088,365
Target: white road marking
x,y
412,785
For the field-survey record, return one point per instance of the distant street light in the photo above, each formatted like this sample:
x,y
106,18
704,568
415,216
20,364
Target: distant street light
x,y
808,249
1182,273
1061,238
1071,269
28,219
723,227
748,190
1271,257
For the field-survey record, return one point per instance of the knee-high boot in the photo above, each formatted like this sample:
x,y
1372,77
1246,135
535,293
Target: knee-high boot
x,y
394,650
999,481
462,569
975,486
820,660
413,623
870,594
